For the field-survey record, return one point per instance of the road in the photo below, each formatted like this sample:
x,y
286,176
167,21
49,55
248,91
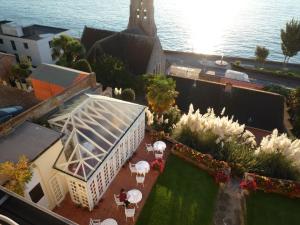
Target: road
x,y
208,63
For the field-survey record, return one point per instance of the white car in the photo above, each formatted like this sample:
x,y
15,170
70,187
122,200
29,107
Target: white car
x,y
236,75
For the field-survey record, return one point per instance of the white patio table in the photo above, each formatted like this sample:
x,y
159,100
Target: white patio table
x,y
109,221
159,146
142,167
134,196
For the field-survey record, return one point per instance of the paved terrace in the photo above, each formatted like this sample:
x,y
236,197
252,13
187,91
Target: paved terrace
x,y
107,208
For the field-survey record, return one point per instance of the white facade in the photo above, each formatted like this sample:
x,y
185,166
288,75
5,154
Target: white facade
x,y
37,50
46,187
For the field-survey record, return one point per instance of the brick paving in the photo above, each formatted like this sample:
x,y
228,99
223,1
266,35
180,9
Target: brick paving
x,y
107,207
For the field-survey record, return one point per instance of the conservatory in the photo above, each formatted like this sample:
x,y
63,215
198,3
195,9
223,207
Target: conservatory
x,y
101,133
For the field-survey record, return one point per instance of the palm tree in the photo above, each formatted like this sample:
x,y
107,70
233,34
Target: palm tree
x,y
290,39
161,93
67,50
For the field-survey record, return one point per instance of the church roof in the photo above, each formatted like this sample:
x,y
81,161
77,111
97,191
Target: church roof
x,y
131,46
91,35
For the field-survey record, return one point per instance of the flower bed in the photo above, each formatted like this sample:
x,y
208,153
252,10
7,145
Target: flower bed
x,y
272,185
204,161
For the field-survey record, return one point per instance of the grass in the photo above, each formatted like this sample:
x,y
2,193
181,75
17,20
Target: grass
x,y
183,195
272,209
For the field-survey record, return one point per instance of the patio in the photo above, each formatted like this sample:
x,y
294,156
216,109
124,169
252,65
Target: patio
x,y
107,207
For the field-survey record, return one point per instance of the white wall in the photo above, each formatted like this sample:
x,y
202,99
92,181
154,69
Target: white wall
x,y
43,172
38,50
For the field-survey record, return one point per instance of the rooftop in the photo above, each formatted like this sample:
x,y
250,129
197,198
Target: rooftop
x,y
55,74
10,96
35,31
98,123
26,213
28,139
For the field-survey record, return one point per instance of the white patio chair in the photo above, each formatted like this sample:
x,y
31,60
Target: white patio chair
x,y
95,221
140,179
129,213
159,155
132,168
149,148
117,201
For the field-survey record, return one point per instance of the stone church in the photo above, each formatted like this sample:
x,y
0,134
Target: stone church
x,y
138,46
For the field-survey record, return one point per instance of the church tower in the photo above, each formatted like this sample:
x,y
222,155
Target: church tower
x,y
142,16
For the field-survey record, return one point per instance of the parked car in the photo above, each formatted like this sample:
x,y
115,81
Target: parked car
x,y
236,75
9,112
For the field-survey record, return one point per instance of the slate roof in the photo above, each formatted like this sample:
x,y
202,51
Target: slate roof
x,y
131,46
55,74
26,213
28,139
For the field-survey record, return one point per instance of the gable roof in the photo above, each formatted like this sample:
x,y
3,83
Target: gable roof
x,y
28,139
91,35
131,46
55,74
98,124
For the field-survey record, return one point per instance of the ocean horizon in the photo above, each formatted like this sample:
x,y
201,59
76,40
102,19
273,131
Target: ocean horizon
x,y
232,27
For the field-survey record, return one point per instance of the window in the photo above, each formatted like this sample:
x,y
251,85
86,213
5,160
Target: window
x,y
25,45
36,193
29,58
1,41
13,45
17,58
50,44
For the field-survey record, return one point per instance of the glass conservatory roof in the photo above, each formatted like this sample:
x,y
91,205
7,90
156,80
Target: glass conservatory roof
x,y
92,129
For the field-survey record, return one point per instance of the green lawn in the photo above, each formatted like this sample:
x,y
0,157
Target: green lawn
x,y
183,195
271,209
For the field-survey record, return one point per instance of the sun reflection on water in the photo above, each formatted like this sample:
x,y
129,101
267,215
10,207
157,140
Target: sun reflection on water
x,y
207,21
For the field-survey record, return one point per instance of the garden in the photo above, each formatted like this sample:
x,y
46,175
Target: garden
x,y
183,194
272,209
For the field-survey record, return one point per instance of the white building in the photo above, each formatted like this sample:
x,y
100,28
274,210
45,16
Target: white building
x,y
33,42
95,135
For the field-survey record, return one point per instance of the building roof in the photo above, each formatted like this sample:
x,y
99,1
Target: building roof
x,y
28,139
35,31
93,128
91,35
251,107
131,46
24,212
55,74
10,96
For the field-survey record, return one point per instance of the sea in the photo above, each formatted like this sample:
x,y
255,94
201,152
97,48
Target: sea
x,y
230,28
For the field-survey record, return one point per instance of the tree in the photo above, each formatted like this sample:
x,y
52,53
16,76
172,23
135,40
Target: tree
x,y
161,93
22,70
82,65
111,72
261,54
290,39
128,94
67,50
18,174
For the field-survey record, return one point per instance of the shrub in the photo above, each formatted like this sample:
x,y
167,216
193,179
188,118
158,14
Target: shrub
x,y
278,90
82,65
128,94
276,165
237,62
